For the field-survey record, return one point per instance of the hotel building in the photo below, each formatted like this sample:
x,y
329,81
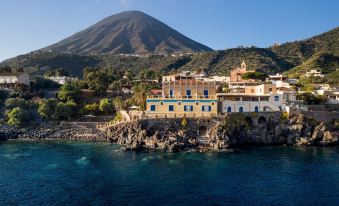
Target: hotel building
x,y
183,96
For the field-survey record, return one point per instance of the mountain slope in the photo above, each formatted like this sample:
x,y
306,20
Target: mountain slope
x,y
320,52
131,32
298,52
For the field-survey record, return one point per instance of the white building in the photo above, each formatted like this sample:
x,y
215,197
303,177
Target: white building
x,y
11,80
217,79
314,73
264,97
62,80
333,98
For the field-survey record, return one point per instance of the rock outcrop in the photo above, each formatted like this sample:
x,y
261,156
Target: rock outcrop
x,y
80,133
222,133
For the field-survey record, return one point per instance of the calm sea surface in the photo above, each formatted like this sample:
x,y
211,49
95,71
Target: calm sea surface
x,y
74,173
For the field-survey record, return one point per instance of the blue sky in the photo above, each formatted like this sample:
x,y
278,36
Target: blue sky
x,y
27,25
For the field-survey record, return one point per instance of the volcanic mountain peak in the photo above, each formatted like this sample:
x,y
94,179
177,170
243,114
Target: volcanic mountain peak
x,y
131,32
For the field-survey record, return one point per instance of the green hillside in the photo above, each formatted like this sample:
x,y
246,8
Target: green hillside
x,y
320,52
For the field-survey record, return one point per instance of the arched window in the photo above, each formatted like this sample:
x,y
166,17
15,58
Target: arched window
x,y
229,109
241,109
256,109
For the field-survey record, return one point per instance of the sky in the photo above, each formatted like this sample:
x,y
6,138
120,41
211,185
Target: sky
x,y
27,25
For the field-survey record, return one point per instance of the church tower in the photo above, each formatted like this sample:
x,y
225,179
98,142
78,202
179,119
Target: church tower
x,y
243,65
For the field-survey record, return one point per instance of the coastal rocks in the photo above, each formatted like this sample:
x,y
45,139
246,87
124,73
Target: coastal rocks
x,y
166,135
81,133
222,133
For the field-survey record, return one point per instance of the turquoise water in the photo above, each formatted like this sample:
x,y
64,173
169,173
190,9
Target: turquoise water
x,y
71,173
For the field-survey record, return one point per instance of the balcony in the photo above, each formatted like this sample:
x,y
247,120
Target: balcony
x,y
181,97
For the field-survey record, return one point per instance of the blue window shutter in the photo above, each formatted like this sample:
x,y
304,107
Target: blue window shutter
x,y
203,108
191,108
153,108
209,108
185,108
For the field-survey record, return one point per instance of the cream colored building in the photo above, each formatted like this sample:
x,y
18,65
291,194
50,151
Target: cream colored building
x,y
11,80
264,97
184,96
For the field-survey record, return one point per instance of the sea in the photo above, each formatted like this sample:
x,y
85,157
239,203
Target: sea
x,y
85,173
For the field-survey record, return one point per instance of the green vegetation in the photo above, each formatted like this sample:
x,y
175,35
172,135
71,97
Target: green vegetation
x,y
255,76
310,98
184,121
20,112
68,92
57,72
106,106
47,107
91,109
17,117
139,96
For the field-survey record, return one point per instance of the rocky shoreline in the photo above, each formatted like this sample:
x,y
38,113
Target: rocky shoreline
x,y
80,133
203,134
222,133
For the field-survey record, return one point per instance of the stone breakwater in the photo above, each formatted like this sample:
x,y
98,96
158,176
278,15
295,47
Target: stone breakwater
x,y
80,133
222,133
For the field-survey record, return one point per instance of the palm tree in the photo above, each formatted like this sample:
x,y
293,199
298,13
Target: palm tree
x,y
139,95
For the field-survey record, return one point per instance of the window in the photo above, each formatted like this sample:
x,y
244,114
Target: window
x,y
152,108
241,109
256,109
269,89
196,103
229,109
171,92
276,98
161,103
252,90
179,103
206,108
213,103
206,93
188,108
188,93
170,108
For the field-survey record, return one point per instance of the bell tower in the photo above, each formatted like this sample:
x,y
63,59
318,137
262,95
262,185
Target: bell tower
x,y
243,65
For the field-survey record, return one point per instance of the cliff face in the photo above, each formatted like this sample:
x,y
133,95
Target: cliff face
x,y
222,133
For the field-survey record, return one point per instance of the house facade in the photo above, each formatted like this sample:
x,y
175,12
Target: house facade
x,y
184,96
11,80
261,98
62,79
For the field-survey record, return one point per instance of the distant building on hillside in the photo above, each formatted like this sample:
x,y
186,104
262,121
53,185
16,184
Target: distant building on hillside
x,y
62,80
11,80
314,73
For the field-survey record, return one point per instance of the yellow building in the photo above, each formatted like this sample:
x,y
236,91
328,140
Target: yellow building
x,y
184,96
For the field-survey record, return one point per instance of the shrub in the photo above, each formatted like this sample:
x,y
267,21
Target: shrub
x,y
284,115
47,107
106,106
92,109
184,121
68,92
62,111
17,117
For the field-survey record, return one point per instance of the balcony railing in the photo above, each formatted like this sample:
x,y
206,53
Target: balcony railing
x,y
182,97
